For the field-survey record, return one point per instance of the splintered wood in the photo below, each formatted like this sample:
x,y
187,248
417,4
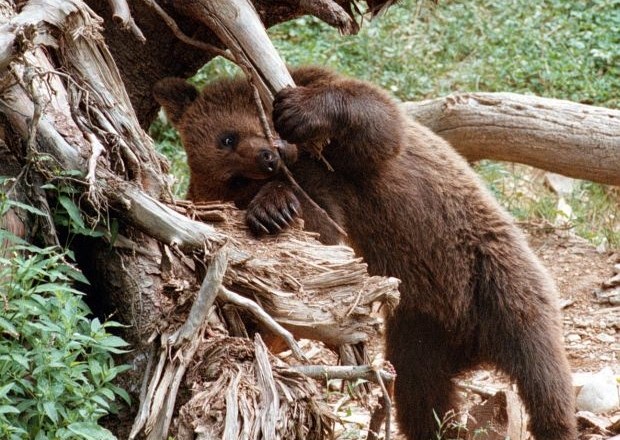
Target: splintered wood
x,y
239,390
315,291
229,402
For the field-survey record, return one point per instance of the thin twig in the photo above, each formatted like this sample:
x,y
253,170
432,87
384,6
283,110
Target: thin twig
x,y
387,404
483,391
264,318
364,372
261,112
305,195
182,36
382,412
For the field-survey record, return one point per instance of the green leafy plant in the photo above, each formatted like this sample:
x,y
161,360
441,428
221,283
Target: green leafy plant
x,y
56,365
67,212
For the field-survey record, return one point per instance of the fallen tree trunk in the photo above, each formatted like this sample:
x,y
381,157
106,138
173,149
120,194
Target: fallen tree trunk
x,y
576,140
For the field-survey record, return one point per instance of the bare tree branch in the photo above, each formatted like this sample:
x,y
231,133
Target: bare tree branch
x,y
565,137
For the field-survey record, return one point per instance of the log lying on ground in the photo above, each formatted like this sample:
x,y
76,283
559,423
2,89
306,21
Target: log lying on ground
x,y
576,140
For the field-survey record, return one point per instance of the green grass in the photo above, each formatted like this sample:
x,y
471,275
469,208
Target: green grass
x,y
595,208
417,50
561,49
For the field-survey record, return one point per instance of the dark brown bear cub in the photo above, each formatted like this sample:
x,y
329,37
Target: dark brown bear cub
x,y
472,291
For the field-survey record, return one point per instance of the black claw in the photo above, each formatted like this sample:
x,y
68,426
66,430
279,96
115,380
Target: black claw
x,y
287,215
276,226
257,227
293,208
275,216
281,220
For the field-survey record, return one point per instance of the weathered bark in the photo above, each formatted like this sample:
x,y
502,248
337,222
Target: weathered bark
x,y
163,54
576,140
83,120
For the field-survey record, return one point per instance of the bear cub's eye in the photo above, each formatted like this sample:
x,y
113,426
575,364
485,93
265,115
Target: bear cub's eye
x,y
228,140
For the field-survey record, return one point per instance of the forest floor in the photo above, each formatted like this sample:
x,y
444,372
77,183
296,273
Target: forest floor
x,y
591,330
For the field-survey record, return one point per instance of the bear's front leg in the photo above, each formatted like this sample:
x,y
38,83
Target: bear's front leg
x,y
273,209
359,124
304,115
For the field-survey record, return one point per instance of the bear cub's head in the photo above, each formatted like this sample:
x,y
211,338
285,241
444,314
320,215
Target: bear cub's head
x,y
222,135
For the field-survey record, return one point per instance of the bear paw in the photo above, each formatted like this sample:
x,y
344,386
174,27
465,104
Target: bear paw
x,y
273,209
299,116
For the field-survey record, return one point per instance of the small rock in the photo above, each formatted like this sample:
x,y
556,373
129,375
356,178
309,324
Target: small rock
x,y
564,214
611,296
559,184
573,338
599,394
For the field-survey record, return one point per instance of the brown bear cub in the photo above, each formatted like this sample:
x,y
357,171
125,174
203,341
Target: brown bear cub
x,y
472,291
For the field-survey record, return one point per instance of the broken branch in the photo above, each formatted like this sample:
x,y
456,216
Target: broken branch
x,y
271,324
569,138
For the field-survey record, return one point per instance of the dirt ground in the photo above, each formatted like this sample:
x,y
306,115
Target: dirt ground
x,y
580,271
591,329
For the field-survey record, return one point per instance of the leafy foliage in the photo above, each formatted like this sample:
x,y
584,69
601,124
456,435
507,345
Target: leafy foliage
x,y
169,144
56,365
67,212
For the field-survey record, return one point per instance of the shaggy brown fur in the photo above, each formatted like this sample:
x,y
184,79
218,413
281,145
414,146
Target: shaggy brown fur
x,y
472,291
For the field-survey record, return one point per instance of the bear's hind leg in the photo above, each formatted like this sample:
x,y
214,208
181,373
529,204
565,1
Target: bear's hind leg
x,y
534,358
424,390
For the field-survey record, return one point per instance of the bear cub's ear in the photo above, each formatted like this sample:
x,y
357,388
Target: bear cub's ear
x,y
174,95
